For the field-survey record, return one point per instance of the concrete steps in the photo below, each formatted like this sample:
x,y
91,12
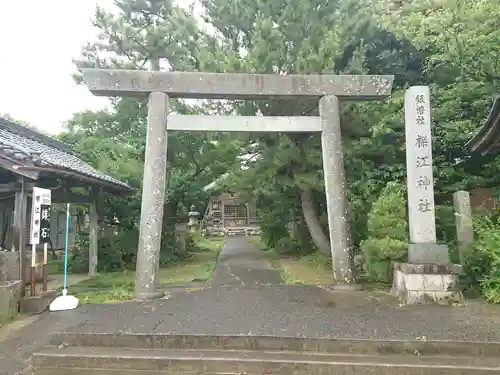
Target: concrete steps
x,y
131,354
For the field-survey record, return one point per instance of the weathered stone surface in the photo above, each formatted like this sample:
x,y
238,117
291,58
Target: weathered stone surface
x,y
93,235
282,311
294,311
10,292
421,211
244,123
153,198
339,345
442,269
8,266
428,277
234,86
463,222
37,304
420,288
160,361
248,86
335,188
261,317
430,253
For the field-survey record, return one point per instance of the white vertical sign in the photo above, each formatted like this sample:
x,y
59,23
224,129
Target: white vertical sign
x,y
41,197
422,221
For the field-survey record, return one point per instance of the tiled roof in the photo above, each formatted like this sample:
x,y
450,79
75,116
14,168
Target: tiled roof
x,y
28,146
487,139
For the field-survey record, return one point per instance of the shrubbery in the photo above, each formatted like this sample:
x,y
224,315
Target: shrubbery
x,y
281,226
482,263
119,251
387,240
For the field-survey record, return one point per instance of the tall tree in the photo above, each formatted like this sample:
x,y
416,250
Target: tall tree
x,y
448,44
311,37
144,35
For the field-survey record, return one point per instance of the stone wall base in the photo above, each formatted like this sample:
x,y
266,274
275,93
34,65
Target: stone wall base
x,y
10,293
37,304
427,283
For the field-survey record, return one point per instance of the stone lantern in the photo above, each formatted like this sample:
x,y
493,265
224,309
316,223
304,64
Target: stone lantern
x,y
193,218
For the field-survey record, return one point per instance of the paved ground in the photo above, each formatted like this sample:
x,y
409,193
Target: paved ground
x,y
240,263
245,298
305,311
32,333
22,337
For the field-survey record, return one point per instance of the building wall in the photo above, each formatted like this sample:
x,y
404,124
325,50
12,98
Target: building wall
x,y
57,223
231,211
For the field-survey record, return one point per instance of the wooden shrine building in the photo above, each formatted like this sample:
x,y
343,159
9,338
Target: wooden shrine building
x,y
227,212
30,159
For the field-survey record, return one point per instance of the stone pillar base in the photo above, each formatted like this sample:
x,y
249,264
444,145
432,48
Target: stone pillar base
x,y
427,283
149,296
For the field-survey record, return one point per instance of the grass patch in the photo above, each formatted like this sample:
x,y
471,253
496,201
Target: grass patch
x,y
288,279
110,296
316,269
119,286
312,269
258,243
271,255
212,244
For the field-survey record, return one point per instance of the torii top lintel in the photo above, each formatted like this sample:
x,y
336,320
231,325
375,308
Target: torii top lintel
x,y
108,82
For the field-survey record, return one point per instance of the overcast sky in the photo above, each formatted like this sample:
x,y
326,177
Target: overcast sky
x,y
38,39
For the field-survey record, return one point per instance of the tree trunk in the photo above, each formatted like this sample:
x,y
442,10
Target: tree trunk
x,y
109,234
312,222
169,220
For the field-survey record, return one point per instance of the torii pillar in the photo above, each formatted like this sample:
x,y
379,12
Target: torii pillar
x,y
159,86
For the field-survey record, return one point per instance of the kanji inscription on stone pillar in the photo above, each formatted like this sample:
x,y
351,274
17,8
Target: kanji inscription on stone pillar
x,y
420,180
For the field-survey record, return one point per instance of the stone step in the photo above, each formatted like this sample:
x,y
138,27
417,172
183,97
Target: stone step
x,y
127,361
236,232
421,346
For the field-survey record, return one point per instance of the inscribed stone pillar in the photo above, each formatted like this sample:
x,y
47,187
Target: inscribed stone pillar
x,y
335,189
153,197
463,222
421,211
428,276
419,166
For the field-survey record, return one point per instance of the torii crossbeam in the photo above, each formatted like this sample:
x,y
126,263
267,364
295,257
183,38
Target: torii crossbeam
x,y
159,86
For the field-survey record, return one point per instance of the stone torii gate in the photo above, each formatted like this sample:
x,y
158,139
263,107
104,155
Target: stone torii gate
x,y
159,86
